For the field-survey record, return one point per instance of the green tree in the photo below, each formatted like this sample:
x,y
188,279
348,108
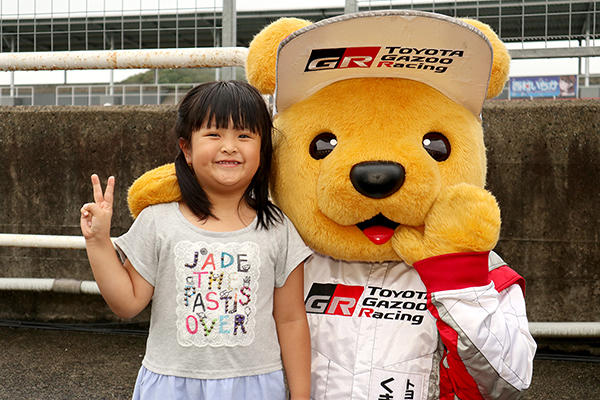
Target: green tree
x,y
179,75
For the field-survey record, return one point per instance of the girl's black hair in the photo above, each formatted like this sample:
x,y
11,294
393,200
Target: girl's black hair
x,y
224,102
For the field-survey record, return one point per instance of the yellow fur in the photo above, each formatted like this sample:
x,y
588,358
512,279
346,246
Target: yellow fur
x,y
500,67
155,186
464,218
260,64
441,207
320,194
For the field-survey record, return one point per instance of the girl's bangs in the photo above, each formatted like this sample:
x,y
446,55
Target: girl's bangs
x,y
226,104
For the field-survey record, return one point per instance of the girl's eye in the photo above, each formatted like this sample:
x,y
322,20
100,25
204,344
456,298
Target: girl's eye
x,y
322,145
437,145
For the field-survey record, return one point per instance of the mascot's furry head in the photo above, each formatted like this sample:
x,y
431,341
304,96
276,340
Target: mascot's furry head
x,y
379,151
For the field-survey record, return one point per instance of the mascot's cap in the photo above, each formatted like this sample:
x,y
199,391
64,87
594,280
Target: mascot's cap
x,y
442,52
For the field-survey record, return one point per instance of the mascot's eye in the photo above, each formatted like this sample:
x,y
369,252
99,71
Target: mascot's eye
x,y
437,146
322,145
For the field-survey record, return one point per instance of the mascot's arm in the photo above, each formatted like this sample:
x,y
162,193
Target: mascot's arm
x,y
482,322
154,187
480,314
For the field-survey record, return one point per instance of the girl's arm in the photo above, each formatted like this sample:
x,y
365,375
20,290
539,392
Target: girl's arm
x,y
292,330
123,288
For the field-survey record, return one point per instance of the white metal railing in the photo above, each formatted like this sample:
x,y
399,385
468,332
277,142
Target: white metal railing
x,y
208,57
49,285
125,59
537,329
565,329
43,241
46,284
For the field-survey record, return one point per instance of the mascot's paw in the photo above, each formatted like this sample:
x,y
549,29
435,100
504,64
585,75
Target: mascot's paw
x,y
464,218
154,187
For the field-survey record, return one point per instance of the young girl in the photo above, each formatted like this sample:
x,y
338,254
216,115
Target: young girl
x,y
223,268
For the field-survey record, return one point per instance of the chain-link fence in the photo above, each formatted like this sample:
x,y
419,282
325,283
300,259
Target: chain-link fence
x,y
524,21
70,25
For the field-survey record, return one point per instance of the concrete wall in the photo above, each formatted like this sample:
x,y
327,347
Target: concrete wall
x,y
543,166
543,161
47,155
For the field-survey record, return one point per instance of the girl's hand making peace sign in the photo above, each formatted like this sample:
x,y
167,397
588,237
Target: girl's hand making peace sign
x,y
95,217
126,292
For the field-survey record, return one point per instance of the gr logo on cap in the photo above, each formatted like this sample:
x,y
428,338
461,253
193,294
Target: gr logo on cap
x,y
445,53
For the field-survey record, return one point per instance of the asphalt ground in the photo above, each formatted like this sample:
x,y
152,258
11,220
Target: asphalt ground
x,y
65,364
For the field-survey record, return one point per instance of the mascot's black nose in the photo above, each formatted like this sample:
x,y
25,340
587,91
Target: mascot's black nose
x,y
377,179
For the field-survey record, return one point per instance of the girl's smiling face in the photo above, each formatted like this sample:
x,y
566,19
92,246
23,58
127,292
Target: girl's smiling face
x,y
224,160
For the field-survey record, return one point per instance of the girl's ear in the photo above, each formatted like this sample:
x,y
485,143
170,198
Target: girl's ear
x,y
501,63
262,54
184,145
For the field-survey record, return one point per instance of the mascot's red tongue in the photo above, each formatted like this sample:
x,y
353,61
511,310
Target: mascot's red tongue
x,y
378,234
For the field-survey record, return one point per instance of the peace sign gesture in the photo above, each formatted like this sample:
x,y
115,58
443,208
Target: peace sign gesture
x,y
96,216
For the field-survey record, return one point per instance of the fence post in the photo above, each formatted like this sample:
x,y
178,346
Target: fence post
x,y
229,35
351,6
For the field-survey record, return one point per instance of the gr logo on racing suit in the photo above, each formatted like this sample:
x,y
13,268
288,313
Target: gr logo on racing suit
x,y
378,303
334,299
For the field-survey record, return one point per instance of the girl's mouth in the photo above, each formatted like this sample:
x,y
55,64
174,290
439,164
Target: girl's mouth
x,y
378,229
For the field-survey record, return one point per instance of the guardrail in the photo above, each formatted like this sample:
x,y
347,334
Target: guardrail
x,y
204,57
46,284
125,59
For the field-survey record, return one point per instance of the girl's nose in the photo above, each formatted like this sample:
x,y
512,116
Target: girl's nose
x,y
229,147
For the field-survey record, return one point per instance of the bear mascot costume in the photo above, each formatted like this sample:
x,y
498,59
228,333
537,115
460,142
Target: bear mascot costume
x,y
379,161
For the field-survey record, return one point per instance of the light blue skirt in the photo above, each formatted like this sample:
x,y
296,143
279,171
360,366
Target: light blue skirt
x,y
152,386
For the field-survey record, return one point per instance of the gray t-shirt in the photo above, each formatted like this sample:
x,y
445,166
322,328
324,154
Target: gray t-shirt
x,y
212,308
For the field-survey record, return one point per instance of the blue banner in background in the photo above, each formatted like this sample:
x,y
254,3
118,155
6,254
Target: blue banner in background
x,y
543,86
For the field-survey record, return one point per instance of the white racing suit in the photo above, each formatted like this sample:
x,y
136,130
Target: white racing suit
x,y
452,327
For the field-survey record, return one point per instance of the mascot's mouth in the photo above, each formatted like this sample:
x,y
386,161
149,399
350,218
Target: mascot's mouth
x,y
378,229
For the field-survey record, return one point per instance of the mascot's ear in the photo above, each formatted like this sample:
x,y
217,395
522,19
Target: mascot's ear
x,y
262,55
501,59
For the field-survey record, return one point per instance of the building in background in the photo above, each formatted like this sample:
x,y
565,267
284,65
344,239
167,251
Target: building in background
x,y
544,33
